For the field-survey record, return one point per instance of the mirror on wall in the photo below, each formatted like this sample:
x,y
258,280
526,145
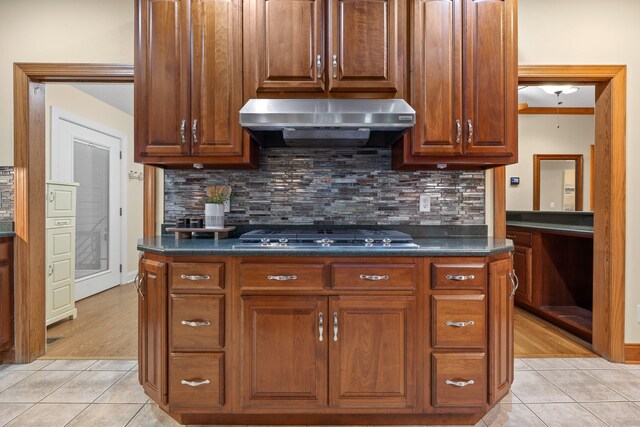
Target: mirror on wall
x,y
557,182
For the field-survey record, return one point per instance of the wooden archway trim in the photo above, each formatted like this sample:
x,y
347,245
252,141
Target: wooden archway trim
x,y
609,198
29,170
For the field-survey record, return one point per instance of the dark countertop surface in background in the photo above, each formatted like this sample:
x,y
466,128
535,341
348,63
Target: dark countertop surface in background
x,y
580,230
433,246
6,229
7,234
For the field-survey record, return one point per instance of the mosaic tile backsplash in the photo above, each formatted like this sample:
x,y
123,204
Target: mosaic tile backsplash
x,y
6,193
331,186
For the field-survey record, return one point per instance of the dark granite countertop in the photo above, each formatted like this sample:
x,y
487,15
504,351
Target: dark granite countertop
x,y
580,230
6,229
434,246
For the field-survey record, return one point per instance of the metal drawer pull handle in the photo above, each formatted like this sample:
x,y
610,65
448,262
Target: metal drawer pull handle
x,y
195,383
50,270
335,66
137,282
52,196
283,278
460,383
460,278
470,138
190,277
62,222
196,323
511,237
514,283
459,131
321,327
194,131
459,324
365,277
335,326
319,66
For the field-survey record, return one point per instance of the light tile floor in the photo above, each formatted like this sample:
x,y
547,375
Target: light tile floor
x,y
95,393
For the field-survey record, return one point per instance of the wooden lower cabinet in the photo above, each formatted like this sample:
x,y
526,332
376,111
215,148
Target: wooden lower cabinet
x,y
430,341
6,294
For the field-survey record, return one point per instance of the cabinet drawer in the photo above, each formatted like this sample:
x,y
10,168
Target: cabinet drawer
x,y
196,379
197,322
458,380
197,276
520,238
458,321
5,251
459,276
282,276
374,276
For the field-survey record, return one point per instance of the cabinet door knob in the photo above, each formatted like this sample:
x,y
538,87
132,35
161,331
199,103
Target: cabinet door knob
x,y
319,66
459,383
335,66
195,383
374,278
283,278
52,197
458,131
321,327
194,131
50,270
335,326
183,131
196,323
459,278
470,137
459,324
194,277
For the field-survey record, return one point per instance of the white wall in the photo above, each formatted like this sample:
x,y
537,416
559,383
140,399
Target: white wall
x,y
95,31
538,134
596,32
79,103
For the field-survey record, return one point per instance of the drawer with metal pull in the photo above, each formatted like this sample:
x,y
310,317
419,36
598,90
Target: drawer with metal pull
x,y
282,276
458,276
520,238
458,380
197,322
458,321
196,379
186,276
374,276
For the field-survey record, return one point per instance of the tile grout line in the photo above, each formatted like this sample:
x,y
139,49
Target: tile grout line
x,y
617,392
135,415
11,420
536,415
17,382
592,413
594,378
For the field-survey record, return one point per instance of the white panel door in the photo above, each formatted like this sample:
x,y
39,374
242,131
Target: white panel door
x,y
85,154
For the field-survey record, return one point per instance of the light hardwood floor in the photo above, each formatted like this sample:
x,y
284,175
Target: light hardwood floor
x,y
535,337
107,324
106,328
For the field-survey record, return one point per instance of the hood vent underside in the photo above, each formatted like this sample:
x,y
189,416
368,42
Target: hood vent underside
x,y
326,122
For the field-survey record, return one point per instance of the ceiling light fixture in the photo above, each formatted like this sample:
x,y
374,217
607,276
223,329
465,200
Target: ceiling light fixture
x,y
555,90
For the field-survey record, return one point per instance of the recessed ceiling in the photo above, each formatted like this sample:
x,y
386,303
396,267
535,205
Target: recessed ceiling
x,y
118,95
534,96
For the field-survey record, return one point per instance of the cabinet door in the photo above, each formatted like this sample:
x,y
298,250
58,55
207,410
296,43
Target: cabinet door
x,y
523,267
500,329
61,200
216,77
436,81
152,315
372,360
365,40
6,307
490,78
61,270
284,42
284,352
162,79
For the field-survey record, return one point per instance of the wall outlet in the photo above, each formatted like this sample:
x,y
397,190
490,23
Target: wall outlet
x,y
425,203
227,206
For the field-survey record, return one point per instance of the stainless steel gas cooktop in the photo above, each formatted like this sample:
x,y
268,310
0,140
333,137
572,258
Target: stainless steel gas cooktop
x,y
325,237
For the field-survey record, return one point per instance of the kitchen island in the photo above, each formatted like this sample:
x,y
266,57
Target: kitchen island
x,y
326,335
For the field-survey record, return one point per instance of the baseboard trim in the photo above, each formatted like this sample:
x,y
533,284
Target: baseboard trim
x,y
632,353
130,276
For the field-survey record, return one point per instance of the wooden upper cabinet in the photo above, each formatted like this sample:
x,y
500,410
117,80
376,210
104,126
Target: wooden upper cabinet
x,y
490,81
162,77
372,353
286,38
365,38
437,77
285,352
216,76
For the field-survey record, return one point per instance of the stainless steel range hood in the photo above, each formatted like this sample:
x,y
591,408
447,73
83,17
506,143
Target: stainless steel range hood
x,y
327,122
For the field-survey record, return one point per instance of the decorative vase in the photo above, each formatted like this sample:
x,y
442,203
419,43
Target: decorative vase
x,y
213,215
